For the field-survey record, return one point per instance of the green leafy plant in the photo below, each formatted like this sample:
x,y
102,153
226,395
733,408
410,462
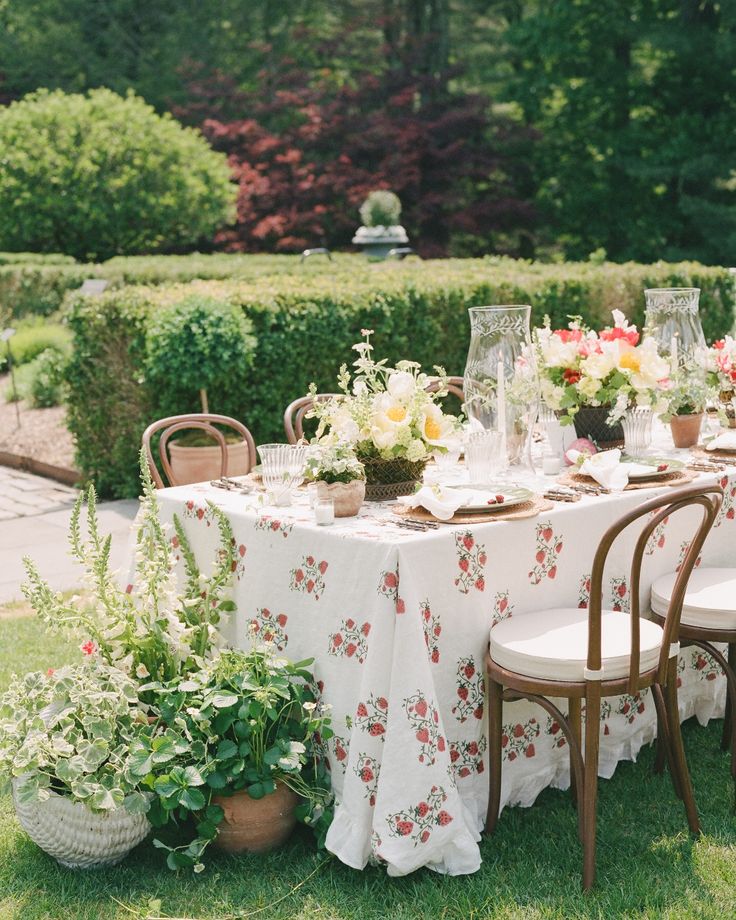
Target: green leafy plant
x,y
152,629
70,732
101,175
689,395
334,463
381,209
46,384
245,722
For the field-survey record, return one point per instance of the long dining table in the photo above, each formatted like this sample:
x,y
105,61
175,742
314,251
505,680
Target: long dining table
x,y
397,621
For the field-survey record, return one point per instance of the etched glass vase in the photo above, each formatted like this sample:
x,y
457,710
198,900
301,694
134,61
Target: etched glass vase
x,y
673,320
501,384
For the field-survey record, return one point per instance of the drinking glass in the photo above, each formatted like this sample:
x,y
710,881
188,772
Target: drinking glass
x,y
637,426
282,468
483,456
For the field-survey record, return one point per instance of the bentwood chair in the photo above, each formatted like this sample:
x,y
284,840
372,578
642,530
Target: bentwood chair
x,y
204,422
296,412
455,385
584,655
708,616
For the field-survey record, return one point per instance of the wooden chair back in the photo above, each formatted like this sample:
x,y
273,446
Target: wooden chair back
x,y
455,385
297,410
709,499
202,421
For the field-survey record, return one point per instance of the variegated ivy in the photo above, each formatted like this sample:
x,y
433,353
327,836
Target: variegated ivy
x,y
70,732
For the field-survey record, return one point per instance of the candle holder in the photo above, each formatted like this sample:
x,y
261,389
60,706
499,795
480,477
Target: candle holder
x,y
673,320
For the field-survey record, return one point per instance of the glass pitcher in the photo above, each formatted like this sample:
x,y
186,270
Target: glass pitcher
x,y
673,320
501,384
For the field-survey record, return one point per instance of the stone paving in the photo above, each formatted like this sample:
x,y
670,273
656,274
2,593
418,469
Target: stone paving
x,y
34,521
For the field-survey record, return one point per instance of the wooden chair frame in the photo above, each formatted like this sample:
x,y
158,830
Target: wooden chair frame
x,y
202,421
296,411
455,385
505,685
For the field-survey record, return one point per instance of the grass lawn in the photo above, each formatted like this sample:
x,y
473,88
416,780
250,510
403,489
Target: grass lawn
x,y
649,867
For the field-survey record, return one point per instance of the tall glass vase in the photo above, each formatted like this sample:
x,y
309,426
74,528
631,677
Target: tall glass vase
x,y
673,319
501,384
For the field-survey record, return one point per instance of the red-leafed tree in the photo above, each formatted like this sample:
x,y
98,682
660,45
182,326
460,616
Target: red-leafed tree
x,y
307,150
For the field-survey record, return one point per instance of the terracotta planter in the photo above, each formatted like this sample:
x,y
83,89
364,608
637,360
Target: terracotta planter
x,y
347,496
686,429
255,825
200,464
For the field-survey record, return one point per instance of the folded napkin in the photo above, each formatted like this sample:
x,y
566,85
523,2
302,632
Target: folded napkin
x,y
442,503
726,440
605,467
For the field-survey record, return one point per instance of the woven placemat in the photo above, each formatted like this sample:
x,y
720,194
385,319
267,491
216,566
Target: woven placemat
x,y
723,456
674,479
529,509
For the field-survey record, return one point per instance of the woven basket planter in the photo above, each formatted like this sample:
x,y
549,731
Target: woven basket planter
x,y
387,479
78,837
590,422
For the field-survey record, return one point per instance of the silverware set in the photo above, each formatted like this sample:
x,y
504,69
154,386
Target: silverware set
x,y
706,466
232,485
416,525
574,492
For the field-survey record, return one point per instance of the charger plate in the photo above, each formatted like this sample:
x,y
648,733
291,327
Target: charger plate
x,y
520,512
674,479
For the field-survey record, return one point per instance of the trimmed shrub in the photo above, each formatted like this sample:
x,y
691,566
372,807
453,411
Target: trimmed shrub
x,y
45,384
30,342
101,175
303,327
35,258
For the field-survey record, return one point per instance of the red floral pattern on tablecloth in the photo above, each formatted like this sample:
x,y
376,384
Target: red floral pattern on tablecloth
x,y
174,541
630,706
471,560
584,592
270,627
554,730
517,739
432,630
371,716
470,691
606,711
266,522
388,586
350,641
728,508
418,822
619,594
549,545
197,512
237,566
466,757
706,667
684,547
340,749
309,577
502,608
657,538
367,770
424,721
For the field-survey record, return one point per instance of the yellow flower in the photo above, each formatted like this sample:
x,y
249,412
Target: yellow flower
x,y
397,413
432,429
630,361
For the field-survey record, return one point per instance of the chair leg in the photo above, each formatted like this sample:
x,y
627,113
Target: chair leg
x,y
590,781
727,738
677,749
575,727
495,725
664,745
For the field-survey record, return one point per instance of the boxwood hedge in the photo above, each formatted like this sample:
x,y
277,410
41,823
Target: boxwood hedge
x,y
304,323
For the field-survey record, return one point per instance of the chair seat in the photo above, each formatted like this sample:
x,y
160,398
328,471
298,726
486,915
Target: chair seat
x,y
553,644
710,599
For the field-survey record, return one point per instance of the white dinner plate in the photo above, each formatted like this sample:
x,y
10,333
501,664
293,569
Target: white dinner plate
x,y
484,498
651,467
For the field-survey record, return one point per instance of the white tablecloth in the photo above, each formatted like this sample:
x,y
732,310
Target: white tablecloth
x,y
398,622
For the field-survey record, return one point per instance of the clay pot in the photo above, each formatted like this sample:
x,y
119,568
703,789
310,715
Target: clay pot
x,y
255,825
347,496
200,464
686,429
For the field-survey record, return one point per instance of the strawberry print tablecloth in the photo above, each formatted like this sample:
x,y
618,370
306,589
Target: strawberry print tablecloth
x,y
398,621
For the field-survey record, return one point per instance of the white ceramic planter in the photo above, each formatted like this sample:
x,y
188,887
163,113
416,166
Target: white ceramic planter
x,y
347,496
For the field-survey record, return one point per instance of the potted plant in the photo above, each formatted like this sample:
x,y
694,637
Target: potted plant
x,y
199,351
381,230
150,629
340,476
389,419
721,376
686,403
65,737
591,379
239,752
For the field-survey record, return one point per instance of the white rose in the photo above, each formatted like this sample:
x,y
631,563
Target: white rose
x,y
401,385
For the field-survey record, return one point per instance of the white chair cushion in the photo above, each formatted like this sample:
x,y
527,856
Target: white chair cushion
x,y
710,599
553,644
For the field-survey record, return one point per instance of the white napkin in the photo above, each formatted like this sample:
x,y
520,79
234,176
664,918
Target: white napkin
x,y
726,440
605,467
442,503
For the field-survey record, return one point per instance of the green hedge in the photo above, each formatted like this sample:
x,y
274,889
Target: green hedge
x,y
35,258
305,323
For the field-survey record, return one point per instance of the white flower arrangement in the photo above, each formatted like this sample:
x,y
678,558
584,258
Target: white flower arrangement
x,y
334,463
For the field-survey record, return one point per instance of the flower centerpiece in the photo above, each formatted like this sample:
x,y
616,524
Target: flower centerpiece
x,y
339,475
389,419
65,741
720,365
592,379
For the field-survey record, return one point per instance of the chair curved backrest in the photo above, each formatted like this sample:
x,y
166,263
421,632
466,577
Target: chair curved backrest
x,y
297,410
204,422
455,385
709,499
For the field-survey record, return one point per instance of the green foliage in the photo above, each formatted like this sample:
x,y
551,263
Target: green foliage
x,y
100,175
304,325
40,381
32,341
381,209
35,258
69,732
198,344
246,722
